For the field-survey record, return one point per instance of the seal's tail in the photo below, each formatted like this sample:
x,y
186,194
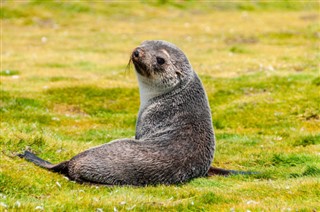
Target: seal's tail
x,y
60,167
218,171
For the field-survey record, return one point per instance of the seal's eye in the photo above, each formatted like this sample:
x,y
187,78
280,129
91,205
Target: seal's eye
x,y
160,60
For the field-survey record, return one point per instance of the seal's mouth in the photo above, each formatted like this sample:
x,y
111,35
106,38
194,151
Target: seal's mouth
x,y
137,58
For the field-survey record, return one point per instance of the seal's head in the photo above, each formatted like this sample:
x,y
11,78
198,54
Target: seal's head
x,y
161,67
161,63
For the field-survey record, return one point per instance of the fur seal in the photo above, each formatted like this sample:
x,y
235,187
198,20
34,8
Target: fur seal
x,y
174,139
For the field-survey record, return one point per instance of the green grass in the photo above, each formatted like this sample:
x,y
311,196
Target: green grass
x,y
65,88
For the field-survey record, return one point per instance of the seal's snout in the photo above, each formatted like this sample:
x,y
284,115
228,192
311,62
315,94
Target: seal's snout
x,y
139,61
136,53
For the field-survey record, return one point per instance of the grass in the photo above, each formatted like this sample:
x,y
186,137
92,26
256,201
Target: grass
x,y
65,88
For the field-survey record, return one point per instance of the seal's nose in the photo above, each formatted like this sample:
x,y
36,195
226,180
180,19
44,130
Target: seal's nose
x,y
136,53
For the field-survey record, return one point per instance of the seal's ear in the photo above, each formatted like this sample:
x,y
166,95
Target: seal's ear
x,y
179,73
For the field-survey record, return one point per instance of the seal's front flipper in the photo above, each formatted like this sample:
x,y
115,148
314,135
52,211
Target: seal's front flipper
x,y
224,172
61,167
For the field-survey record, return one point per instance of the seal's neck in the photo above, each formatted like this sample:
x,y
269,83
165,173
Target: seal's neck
x,y
148,90
151,88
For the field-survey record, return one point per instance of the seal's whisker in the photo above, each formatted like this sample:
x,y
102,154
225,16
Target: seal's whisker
x,y
128,67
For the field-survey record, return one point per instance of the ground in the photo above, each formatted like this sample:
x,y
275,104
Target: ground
x,y
66,87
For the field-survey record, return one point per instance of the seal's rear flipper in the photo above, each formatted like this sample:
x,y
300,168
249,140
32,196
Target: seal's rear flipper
x,y
61,167
224,172
34,159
